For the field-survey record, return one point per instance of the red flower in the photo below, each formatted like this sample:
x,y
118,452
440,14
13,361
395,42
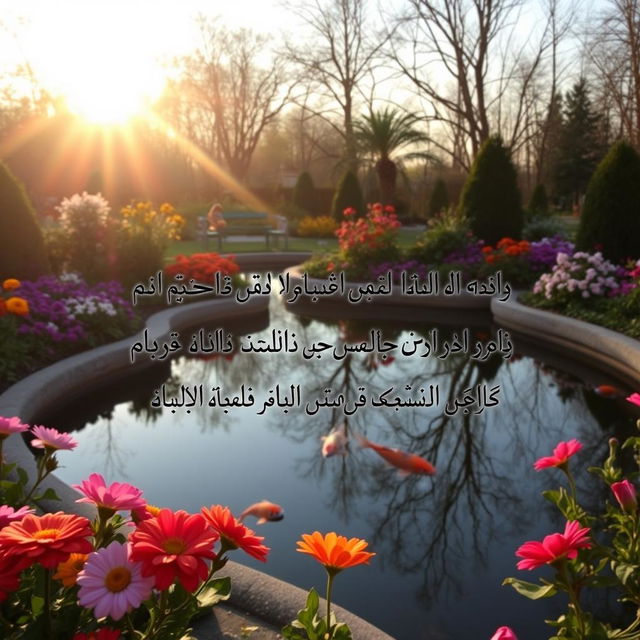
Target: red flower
x,y
561,454
234,533
47,539
174,546
349,211
9,576
554,547
101,634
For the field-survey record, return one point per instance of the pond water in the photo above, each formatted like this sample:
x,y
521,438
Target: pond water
x,y
443,543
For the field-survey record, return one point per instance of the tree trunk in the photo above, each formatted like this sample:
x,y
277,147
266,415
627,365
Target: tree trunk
x,y
387,172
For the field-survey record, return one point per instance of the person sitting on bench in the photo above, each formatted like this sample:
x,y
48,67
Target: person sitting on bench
x,y
214,218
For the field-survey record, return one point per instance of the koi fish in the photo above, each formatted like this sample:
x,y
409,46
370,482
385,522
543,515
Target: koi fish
x,y
335,443
405,462
608,391
265,511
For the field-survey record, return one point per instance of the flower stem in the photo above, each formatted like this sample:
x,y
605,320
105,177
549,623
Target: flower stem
x,y
330,577
573,596
47,604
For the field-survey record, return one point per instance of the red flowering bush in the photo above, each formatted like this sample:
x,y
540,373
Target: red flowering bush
x,y
202,267
367,241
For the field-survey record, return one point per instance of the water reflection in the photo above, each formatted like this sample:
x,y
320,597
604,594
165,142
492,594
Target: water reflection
x,y
435,537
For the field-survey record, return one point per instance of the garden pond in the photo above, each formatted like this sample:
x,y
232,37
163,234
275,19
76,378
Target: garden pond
x,y
443,543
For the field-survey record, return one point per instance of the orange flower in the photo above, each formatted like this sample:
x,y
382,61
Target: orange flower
x,y
233,533
512,250
10,284
47,539
487,249
18,306
335,552
68,571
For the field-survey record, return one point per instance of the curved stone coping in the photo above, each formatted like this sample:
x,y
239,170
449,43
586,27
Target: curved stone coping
x,y
36,394
611,351
462,301
267,598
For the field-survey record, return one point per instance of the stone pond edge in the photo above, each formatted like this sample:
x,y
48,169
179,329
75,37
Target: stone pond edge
x,y
260,595
266,597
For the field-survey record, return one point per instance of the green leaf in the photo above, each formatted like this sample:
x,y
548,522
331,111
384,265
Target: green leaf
x,y
341,632
49,494
623,571
37,604
215,591
530,590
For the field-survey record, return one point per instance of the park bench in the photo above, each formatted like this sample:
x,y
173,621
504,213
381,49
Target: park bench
x,y
245,223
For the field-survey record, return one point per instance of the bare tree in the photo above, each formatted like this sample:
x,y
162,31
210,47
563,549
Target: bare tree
x,y
236,95
473,44
340,54
614,50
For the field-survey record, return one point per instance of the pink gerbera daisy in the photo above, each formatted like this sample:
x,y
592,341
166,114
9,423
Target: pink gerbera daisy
x,y
554,547
49,438
9,514
634,398
561,454
111,584
11,425
118,496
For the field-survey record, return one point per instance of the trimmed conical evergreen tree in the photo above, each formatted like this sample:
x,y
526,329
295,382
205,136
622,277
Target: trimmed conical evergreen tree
x,y
439,198
304,193
23,254
539,203
348,194
611,215
490,197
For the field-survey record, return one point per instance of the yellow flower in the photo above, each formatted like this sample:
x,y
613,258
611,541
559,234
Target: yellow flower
x,y
166,209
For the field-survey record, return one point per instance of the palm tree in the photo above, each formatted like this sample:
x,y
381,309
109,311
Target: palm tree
x,y
383,133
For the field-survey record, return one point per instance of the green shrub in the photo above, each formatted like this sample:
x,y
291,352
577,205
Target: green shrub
x,y
610,218
304,194
23,254
439,200
539,203
490,197
542,226
447,232
348,194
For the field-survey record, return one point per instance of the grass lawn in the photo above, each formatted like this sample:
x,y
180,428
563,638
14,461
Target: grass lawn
x,y
316,245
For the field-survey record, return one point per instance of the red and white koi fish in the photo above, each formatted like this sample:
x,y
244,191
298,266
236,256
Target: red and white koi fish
x,y
265,511
405,462
335,443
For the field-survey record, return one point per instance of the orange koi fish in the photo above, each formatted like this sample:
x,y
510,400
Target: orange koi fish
x,y
608,391
265,511
405,462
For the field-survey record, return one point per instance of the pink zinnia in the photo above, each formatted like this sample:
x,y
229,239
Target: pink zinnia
x,y
49,438
504,633
634,398
9,514
118,496
625,494
561,454
111,584
11,425
554,547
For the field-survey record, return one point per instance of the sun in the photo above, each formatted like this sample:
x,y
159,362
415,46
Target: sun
x,y
103,59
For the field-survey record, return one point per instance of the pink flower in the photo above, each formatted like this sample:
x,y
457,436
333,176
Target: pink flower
x,y
8,514
11,425
634,398
504,633
625,494
111,584
117,496
48,438
349,211
561,454
554,547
